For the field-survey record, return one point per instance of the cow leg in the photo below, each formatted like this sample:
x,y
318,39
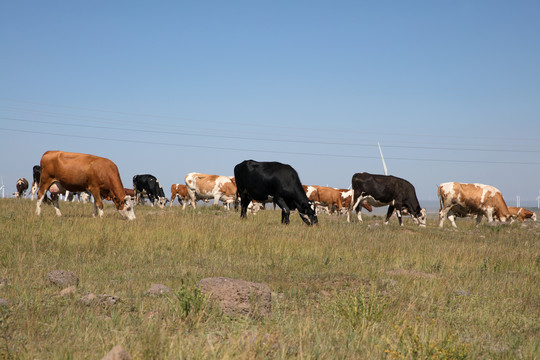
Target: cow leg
x,y
55,204
44,185
98,203
443,213
173,196
33,190
389,213
285,212
452,218
244,203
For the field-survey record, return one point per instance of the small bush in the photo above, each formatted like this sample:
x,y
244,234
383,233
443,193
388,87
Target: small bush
x,y
361,307
410,345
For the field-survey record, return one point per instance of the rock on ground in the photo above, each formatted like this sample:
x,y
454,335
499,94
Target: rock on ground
x,y
63,278
238,297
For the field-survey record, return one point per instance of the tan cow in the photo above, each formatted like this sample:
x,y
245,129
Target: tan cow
x,y
204,186
457,199
80,172
180,191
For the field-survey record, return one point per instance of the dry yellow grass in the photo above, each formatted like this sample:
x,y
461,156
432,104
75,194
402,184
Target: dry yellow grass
x,y
340,290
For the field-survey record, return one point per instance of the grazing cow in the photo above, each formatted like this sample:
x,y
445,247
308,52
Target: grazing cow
x,y
81,172
346,199
205,187
325,198
36,173
261,180
22,186
457,199
521,214
149,184
518,213
180,191
382,190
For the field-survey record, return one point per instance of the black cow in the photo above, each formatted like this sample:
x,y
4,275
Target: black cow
x,y
382,190
36,170
148,184
261,180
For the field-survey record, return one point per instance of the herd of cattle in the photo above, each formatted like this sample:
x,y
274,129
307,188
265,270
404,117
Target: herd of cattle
x,y
256,183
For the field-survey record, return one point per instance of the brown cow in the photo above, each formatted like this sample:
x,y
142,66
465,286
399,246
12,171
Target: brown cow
x,y
203,186
22,186
457,199
180,191
80,172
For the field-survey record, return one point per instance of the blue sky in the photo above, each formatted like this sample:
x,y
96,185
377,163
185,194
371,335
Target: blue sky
x,y
451,89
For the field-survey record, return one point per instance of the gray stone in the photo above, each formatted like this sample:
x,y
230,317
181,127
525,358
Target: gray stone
x,y
117,353
238,297
157,289
63,278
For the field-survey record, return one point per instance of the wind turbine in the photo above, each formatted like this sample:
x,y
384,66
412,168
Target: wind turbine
x,y
538,199
3,187
382,158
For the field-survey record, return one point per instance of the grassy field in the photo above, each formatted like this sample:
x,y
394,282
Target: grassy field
x,y
339,290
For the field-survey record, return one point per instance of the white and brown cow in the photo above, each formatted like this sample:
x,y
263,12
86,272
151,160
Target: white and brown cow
x,y
458,199
204,187
346,199
22,186
180,191
518,213
80,172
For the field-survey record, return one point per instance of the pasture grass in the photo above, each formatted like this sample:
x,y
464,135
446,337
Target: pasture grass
x,y
340,290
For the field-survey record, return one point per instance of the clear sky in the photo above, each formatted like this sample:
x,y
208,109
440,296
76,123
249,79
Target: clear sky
x,y
450,89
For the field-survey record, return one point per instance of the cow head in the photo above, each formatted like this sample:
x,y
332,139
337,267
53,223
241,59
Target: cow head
x,y
308,214
126,208
162,201
421,217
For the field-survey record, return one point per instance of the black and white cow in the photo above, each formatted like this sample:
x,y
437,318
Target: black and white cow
x,y
21,186
382,190
149,185
263,180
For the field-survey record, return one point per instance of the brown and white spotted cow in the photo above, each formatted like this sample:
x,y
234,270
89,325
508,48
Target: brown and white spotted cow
x,y
346,199
22,186
458,199
180,191
204,186
80,172
518,213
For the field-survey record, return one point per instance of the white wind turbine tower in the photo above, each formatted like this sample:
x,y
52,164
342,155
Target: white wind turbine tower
x,y
538,199
382,158
2,187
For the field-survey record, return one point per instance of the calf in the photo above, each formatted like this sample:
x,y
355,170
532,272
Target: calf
x,y
382,190
261,180
149,184
457,199
518,213
179,191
